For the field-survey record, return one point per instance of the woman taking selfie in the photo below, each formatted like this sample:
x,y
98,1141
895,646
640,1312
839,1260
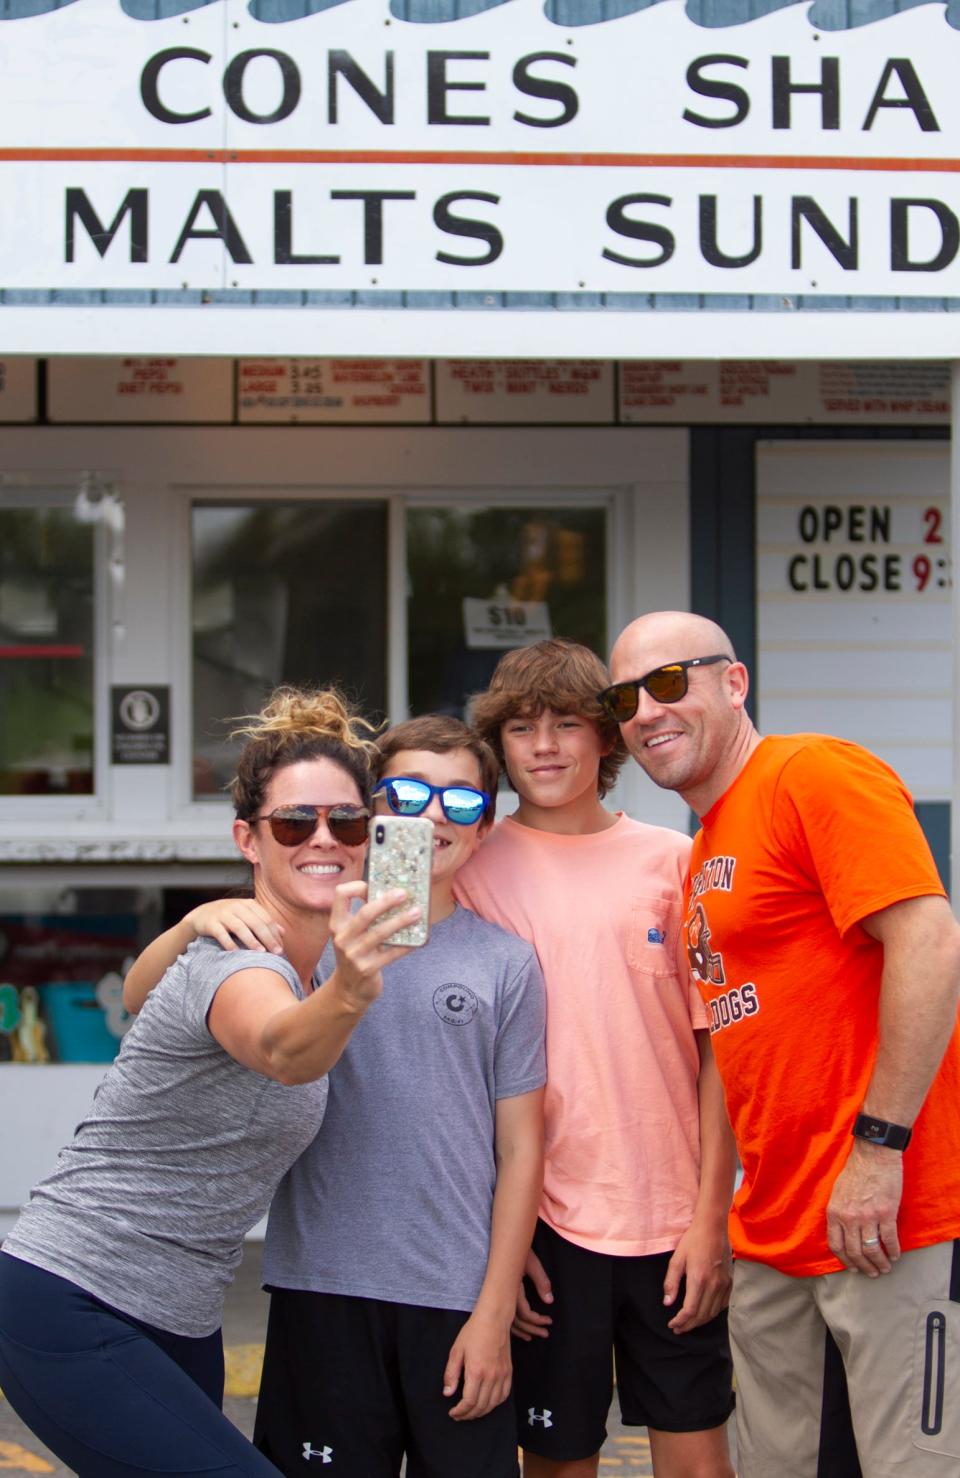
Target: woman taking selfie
x,y
112,1280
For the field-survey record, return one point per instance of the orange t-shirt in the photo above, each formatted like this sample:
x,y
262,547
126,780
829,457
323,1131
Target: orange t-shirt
x,y
813,835
621,1110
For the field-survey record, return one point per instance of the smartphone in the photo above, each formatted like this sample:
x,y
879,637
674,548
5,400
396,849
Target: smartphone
x,y
401,856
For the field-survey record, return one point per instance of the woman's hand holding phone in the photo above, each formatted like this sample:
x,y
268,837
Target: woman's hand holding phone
x,y
361,940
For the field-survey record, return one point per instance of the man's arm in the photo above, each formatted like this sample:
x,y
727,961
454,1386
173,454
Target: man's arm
x,y
919,990
481,1351
703,1253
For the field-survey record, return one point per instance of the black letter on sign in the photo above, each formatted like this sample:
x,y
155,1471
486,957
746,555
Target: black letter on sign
x,y
828,87
708,88
708,234
438,85
543,87
804,208
900,260
225,227
640,231
915,98
341,63
444,217
233,86
283,253
150,77
373,217
135,201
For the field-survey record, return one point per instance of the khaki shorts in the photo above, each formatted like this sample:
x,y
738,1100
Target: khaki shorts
x,y
841,1374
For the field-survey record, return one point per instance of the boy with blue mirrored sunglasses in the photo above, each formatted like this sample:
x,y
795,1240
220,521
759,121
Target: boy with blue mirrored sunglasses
x,y
408,796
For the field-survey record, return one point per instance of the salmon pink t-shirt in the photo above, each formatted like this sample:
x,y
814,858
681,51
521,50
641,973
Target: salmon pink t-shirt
x,y
813,836
622,1125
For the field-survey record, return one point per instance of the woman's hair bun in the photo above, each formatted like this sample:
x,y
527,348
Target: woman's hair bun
x,y
321,713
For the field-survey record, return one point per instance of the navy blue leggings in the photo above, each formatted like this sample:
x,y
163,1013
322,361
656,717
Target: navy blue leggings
x,y
113,1397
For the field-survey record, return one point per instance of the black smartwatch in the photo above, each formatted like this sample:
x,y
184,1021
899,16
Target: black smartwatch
x,y
879,1131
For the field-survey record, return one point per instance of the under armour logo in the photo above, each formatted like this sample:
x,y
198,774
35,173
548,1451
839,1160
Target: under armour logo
x,y
325,1454
543,1417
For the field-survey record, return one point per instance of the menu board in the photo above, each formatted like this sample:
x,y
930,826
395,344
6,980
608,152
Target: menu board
x,y
532,391
528,392
765,392
140,389
18,389
333,390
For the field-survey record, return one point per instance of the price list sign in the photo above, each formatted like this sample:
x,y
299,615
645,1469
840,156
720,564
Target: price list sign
x,y
333,390
528,391
854,596
150,390
18,389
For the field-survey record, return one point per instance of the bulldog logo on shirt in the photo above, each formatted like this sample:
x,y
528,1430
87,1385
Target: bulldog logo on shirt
x,y
706,965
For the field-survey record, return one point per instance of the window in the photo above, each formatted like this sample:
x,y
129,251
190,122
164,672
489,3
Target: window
x,y
283,592
485,579
63,954
47,597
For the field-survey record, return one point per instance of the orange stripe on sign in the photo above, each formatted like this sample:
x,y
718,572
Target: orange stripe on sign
x,y
437,156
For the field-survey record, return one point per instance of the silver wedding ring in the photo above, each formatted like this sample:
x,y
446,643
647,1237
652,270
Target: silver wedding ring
x,y
870,1241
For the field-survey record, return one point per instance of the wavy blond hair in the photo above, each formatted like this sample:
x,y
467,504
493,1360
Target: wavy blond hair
x,y
299,724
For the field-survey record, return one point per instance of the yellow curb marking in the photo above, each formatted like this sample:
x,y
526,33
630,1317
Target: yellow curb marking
x,y
12,1455
244,1367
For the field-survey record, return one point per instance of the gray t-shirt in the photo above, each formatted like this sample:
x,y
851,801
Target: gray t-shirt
x,y
393,1199
176,1159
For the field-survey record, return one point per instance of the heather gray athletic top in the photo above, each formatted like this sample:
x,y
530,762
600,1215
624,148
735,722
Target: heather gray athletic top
x,y
177,1157
393,1199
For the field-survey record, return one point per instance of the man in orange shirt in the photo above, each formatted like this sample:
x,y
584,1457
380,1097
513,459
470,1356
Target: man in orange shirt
x,y
828,957
630,1254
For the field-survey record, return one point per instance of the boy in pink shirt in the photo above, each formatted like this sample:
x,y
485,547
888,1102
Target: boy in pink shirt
x,y
630,1254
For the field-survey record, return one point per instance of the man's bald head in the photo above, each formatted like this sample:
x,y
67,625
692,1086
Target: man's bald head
x,y
671,636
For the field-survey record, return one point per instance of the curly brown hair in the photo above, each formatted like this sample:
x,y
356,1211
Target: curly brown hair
x,y
558,674
299,724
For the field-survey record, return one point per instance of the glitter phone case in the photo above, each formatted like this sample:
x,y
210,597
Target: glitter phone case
x,y
401,856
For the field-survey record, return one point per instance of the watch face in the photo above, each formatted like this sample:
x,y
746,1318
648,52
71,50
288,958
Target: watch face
x,y
879,1131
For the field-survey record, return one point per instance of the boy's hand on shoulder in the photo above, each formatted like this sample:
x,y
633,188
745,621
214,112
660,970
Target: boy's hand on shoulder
x,y
480,1356
702,1256
237,923
527,1323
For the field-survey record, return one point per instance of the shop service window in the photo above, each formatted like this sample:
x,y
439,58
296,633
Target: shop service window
x,y
47,599
63,955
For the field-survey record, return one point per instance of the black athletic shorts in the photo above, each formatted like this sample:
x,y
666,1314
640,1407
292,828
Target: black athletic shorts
x,y
353,1384
563,1385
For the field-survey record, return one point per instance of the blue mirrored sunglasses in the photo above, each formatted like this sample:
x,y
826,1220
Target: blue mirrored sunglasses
x,y
409,797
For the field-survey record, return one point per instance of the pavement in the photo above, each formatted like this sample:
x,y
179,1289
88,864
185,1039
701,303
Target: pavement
x,y
626,1453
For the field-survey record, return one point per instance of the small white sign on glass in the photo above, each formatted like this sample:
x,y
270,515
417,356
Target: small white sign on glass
x,y
501,623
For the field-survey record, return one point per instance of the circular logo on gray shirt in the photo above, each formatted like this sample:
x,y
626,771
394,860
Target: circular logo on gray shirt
x,y
455,1004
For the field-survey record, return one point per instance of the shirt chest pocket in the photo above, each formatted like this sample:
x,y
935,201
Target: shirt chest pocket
x,y
652,936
